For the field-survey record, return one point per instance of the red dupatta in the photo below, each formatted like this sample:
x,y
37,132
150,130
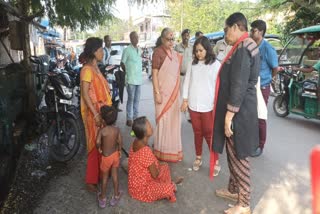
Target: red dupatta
x,y
213,158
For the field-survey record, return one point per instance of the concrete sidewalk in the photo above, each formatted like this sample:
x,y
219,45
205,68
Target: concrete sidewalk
x,y
277,185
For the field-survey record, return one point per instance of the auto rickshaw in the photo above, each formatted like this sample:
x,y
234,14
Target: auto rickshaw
x,y
298,92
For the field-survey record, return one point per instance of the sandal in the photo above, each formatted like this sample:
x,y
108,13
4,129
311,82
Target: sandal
x,y
217,169
224,193
196,164
115,199
101,202
238,210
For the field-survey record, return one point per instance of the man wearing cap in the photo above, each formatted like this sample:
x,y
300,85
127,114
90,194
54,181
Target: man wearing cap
x,y
185,49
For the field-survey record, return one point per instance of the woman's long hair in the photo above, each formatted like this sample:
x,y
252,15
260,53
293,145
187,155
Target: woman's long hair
x,y
164,32
210,56
90,47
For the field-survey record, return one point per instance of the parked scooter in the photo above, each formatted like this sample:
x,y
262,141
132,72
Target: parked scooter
x,y
53,116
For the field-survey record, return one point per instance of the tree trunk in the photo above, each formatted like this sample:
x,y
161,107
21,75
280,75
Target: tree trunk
x,y
30,79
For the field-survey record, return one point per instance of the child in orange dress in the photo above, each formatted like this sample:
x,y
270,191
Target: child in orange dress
x,y
148,180
109,144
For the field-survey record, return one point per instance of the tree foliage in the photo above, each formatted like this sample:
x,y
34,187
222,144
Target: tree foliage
x,y
81,14
204,15
116,28
297,13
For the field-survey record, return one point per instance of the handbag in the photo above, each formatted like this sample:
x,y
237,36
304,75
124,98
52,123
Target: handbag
x,y
261,105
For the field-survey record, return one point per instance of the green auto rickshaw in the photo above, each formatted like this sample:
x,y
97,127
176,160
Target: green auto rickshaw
x,y
297,84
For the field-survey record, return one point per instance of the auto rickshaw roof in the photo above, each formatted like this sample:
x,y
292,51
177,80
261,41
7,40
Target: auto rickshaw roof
x,y
311,29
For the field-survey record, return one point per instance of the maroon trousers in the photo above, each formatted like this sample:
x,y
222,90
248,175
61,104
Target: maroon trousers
x,y
202,125
263,123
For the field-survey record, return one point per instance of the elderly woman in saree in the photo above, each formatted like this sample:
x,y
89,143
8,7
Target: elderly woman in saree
x,y
166,83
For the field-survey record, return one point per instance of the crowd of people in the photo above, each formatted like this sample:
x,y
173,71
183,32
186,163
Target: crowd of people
x,y
218,87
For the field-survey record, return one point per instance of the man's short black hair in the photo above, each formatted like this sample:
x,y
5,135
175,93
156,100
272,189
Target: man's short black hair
x,y
185,31
198,33
260,25
109,114
238,19
139,127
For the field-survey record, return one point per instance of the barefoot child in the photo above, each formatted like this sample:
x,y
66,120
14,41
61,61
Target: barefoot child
x,y
109,144
148,180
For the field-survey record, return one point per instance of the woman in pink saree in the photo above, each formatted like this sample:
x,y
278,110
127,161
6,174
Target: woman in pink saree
x,y
166,83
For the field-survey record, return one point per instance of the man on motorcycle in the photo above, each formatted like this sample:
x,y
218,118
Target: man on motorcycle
x,y
315,67
268,69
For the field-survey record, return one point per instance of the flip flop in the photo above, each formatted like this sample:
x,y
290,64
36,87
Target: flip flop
x,y
115,199
101,202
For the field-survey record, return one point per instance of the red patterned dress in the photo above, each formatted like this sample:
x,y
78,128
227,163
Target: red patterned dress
x,y
141,185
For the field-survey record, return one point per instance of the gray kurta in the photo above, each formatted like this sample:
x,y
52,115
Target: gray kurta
x,y
237,93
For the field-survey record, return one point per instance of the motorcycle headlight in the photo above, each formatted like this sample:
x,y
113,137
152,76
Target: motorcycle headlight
x,y
67,92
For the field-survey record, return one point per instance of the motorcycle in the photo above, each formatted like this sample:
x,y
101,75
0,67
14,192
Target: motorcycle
x,y
298,92
53,115
110,73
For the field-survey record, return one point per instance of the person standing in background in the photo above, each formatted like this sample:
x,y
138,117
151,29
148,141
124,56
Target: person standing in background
x,y
185,49
198,34
106,49
268,69
131,64
221,49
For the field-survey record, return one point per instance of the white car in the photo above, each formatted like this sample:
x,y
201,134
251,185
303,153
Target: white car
x,y
116,53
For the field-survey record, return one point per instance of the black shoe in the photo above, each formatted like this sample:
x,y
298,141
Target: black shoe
x,y
189,121
257,153
119,110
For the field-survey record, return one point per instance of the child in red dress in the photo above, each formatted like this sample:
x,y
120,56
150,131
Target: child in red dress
x,y
148,180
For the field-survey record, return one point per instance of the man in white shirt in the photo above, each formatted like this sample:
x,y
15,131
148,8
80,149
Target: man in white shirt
x,y
184,48
221,49
106,50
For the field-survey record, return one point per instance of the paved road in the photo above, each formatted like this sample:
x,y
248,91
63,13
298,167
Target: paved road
x,y
280,177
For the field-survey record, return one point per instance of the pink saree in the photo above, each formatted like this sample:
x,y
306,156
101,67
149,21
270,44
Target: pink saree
x,y
167,144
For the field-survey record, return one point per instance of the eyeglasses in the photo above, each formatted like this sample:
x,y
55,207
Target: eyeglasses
x,y
170,39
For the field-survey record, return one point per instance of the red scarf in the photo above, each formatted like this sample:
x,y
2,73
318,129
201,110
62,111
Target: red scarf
x,y
213,158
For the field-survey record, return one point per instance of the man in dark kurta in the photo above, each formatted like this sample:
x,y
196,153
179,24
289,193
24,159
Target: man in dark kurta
x,y
236,120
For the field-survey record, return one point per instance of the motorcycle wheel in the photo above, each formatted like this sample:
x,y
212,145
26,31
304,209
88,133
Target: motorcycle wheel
x,y
280,106
67,147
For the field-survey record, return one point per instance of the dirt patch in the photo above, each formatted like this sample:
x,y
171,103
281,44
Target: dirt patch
x,y
34,172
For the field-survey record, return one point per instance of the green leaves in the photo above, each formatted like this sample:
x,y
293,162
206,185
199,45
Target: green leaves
x,y
76,14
